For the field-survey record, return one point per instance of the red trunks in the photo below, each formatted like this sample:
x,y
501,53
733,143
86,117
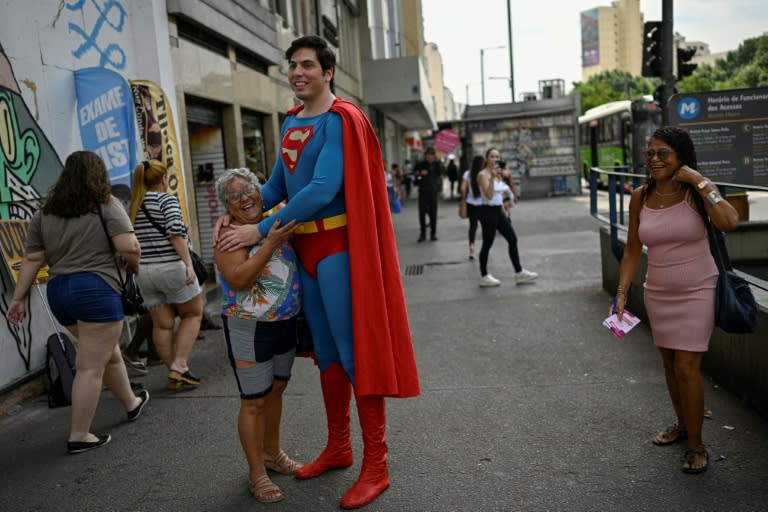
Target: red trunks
x,y
313,247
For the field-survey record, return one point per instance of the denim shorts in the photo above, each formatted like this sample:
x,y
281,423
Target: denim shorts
x,y
84,296
166,283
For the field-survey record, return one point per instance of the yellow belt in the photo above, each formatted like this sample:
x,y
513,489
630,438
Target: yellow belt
x,y
326,224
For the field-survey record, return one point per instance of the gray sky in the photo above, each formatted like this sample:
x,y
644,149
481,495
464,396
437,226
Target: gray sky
x,y
547,37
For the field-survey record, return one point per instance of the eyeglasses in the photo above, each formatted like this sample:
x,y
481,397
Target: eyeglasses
x,y
663,154
234,197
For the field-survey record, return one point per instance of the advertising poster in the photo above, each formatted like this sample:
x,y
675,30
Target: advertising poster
x,y
729,131
107,125
157,134
590,39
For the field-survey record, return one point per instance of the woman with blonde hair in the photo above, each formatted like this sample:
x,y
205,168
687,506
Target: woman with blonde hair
x,y
69,234
167,278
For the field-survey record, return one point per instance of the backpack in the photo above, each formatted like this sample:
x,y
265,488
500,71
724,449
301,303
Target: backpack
x,y
60,369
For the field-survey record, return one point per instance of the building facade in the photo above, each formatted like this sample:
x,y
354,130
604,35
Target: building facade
x,y
612,38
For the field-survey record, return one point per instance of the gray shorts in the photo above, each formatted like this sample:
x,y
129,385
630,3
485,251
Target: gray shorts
x,y
165,283
271,345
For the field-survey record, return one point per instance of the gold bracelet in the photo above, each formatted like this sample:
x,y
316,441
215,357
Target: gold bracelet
x,y
620,290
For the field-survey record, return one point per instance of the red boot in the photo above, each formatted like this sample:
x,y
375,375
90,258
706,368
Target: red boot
x,y
337,392
374,476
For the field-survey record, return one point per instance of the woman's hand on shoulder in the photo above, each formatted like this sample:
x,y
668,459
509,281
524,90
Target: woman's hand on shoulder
x,y
238,236
280,234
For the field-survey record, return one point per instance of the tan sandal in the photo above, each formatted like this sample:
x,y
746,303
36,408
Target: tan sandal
x,y
672,434
282,464
265,490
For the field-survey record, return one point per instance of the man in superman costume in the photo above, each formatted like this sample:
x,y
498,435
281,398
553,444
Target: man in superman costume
x,y
330,170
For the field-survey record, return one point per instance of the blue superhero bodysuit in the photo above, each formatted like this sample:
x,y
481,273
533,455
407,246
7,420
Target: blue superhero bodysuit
x,y
309,173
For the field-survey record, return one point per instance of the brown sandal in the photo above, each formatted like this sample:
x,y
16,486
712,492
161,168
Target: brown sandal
x,y
671,435
690,457
265,490
282,464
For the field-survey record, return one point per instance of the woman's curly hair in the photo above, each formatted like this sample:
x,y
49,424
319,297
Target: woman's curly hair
x,y
81,188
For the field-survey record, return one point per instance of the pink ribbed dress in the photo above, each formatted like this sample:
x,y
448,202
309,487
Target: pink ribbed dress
x,y
681,278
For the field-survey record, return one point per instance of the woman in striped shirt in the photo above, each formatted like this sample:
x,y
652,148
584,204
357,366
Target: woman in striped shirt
x,y
167,278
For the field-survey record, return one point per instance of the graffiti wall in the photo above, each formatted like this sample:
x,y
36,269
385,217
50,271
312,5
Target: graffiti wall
x,y
44,45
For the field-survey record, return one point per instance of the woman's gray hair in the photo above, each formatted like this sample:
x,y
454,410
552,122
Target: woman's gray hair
x,y
230,174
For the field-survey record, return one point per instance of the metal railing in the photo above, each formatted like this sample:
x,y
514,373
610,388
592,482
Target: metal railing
x,y
618,206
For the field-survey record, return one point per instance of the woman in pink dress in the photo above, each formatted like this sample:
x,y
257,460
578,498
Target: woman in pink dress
x,y
679,289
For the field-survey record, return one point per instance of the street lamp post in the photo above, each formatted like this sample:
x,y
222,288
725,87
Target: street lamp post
x,y
482,69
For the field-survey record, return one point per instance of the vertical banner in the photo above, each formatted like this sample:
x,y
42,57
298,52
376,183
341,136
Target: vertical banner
x,y
158,135
107,123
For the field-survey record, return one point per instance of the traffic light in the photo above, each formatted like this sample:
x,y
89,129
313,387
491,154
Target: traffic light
x,y
684,66
652,48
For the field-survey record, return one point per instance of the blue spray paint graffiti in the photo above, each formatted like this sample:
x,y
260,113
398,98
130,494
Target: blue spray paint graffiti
x,y
111,12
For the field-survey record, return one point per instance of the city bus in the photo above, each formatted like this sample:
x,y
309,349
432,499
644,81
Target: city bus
x,y
620,130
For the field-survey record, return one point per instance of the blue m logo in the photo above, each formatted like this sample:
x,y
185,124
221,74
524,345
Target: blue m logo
x,y
688,108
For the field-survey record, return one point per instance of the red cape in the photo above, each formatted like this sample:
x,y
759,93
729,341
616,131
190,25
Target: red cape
x,y
384,360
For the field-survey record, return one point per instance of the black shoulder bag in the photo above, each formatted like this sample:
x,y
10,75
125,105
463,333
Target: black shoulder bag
x,y
133,302
735,306
198,265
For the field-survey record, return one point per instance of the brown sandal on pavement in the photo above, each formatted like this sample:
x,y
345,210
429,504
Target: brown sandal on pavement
x,y
282,464
690,456
265,490
671,435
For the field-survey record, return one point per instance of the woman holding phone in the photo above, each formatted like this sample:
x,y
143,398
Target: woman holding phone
x,y
488,185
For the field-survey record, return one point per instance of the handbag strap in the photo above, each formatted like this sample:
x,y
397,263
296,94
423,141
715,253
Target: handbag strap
x,y
716,239
112,249
160,227
152,220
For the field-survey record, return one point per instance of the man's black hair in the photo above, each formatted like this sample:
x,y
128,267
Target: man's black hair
x,y
324,53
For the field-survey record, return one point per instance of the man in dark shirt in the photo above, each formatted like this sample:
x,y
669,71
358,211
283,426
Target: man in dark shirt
x,y
429,178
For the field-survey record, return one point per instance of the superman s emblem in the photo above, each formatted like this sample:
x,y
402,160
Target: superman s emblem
x,y
293,143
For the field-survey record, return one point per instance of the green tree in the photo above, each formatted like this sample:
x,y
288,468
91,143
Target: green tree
x,y
744,67
612,85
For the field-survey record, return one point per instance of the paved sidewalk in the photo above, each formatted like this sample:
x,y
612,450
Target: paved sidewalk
x,y
527,403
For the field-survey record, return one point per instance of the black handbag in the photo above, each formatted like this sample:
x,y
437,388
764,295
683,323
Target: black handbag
x,y
735,306
133,302
198,264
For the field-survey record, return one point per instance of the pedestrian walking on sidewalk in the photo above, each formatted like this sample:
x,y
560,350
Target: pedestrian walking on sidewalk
x,y
260,293
452,172
679,288
490,187
329,170
167,279
84,290
473,201
429,178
